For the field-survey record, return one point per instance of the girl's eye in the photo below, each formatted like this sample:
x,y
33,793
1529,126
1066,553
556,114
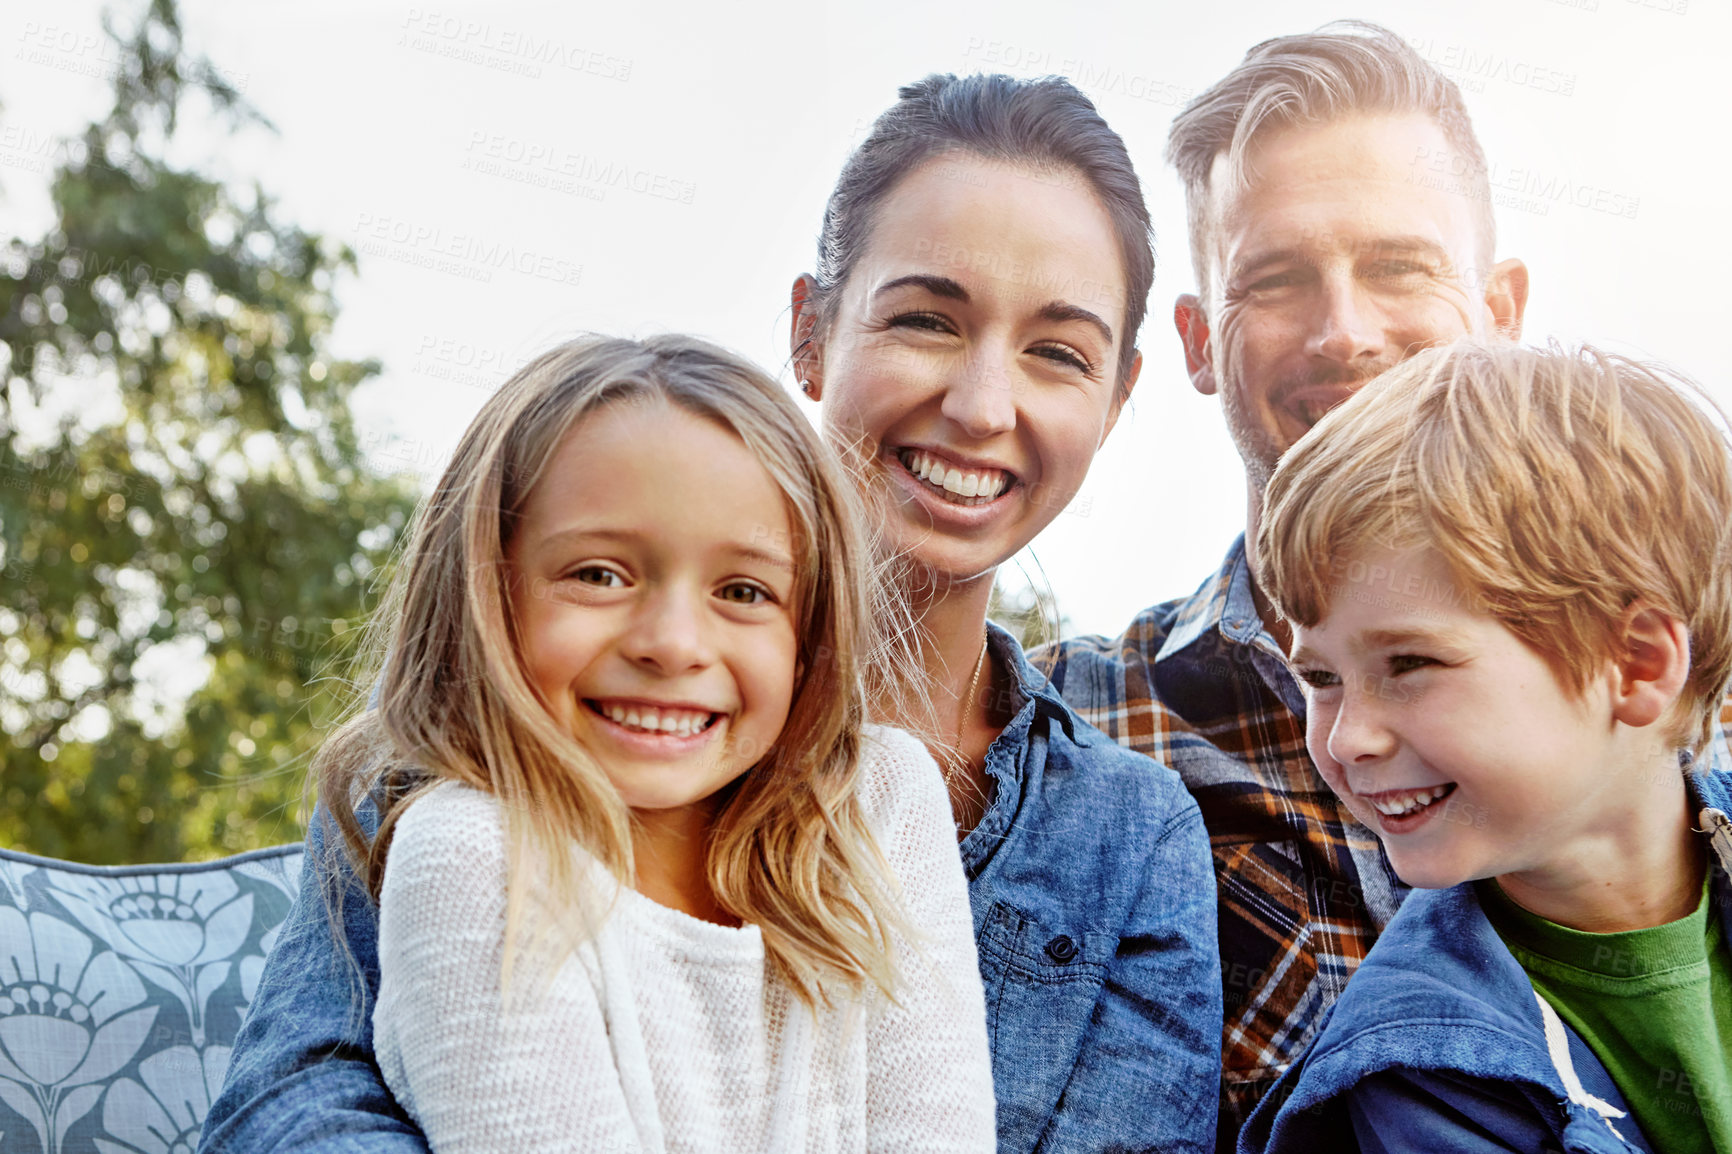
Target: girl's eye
x,y
745,593
1402,662
1318,678
1064,354
598,575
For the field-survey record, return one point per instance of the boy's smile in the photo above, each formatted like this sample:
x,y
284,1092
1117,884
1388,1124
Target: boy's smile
x,y
1448,735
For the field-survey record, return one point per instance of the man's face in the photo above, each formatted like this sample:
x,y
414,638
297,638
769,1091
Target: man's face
x,y
1334,262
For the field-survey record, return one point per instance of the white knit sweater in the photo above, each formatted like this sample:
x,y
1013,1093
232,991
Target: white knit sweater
x,y
665,1033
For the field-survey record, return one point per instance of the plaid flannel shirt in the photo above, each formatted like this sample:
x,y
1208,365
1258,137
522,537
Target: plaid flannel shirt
x,y
1199,685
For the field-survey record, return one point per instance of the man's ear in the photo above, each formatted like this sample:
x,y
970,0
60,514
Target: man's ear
x,y
803,347
1653,667
1506,297
1193,329
1121,395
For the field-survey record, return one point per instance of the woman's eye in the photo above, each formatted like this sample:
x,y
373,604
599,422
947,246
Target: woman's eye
x,y
1318,678
597,575
932,322
745,593
1063,354
1402,662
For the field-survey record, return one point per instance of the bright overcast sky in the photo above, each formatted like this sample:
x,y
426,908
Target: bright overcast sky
x,y
412,132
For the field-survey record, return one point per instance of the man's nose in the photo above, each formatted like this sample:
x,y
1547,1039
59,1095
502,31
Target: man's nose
x,y
1348,327
981,397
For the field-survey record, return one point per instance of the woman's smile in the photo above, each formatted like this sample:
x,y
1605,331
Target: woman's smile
x,y
954,481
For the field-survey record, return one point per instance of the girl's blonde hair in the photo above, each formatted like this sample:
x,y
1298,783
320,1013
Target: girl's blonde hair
x,y
790,849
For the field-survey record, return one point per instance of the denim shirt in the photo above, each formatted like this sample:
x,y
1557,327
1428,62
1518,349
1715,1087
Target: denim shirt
x,y
1094,912
1440,1043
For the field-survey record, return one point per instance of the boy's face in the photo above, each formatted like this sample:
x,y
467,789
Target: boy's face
x,y
1446,734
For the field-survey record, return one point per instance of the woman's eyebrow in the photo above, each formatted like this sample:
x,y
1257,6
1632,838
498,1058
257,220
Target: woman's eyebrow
x,y
939,286
942,286
1060,312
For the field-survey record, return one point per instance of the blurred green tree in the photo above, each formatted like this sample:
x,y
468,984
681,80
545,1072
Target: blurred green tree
x,y
1029,614
188,527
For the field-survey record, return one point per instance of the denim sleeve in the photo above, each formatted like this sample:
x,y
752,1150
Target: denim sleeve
x,y
302,1076
1420,1112
1150,1064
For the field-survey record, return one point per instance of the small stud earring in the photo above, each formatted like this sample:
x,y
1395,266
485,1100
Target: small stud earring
x,y
806,387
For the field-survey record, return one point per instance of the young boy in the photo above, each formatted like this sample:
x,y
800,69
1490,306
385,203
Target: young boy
x,y
1509,577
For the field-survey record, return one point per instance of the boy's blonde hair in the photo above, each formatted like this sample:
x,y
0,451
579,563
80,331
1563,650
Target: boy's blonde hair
x,y
790,849
1561,486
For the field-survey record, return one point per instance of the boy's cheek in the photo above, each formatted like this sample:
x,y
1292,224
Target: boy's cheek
x,y
1318,747
1318,721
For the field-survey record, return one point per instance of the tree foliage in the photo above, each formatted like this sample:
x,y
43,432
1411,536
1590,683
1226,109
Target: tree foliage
x,y
184,505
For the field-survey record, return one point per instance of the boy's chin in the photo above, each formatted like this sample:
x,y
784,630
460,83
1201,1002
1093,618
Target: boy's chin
x,y
1429,874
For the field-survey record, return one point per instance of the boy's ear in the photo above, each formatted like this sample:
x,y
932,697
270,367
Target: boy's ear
x,y
1654,666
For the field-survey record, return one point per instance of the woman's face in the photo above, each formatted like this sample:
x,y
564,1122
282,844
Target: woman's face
x,y
972,364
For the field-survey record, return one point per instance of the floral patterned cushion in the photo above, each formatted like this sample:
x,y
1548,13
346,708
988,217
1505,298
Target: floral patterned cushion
x,y
121,991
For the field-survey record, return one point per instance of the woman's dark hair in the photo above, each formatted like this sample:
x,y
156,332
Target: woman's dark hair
x,y
1045,123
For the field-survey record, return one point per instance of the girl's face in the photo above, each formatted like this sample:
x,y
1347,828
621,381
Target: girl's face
x,y
972,362
655,601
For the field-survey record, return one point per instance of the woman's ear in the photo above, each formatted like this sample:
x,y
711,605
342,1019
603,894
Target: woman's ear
x,y
803,337
1121,394
1653,668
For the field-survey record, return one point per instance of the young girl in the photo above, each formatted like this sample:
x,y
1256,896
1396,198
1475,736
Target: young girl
x,y
646,879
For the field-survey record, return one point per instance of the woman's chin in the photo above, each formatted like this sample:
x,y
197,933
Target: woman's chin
x,y
953,553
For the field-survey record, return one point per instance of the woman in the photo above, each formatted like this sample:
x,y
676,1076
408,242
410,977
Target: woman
x,y
969,334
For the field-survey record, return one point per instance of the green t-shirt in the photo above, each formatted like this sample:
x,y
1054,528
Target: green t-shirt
x,y
1654,1005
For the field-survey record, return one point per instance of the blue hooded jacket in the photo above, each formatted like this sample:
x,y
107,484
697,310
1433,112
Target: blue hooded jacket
x,y
1439,1043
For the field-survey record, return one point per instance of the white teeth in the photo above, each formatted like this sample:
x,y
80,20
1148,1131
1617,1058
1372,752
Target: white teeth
x,y
678,722
985,484
1408,802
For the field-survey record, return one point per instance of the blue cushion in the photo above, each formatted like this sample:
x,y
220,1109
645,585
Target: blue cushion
x,y
121,991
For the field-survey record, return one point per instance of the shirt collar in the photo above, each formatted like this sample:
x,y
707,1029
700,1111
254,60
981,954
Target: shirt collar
x,y
1030,685
1224,603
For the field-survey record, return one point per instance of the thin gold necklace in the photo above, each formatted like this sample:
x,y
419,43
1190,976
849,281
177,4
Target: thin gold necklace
x,y
953,765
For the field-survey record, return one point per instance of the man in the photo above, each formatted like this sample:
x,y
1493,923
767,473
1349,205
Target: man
x,y
1326,250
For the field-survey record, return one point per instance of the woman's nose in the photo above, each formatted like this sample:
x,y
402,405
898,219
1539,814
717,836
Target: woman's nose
x,y
981,399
